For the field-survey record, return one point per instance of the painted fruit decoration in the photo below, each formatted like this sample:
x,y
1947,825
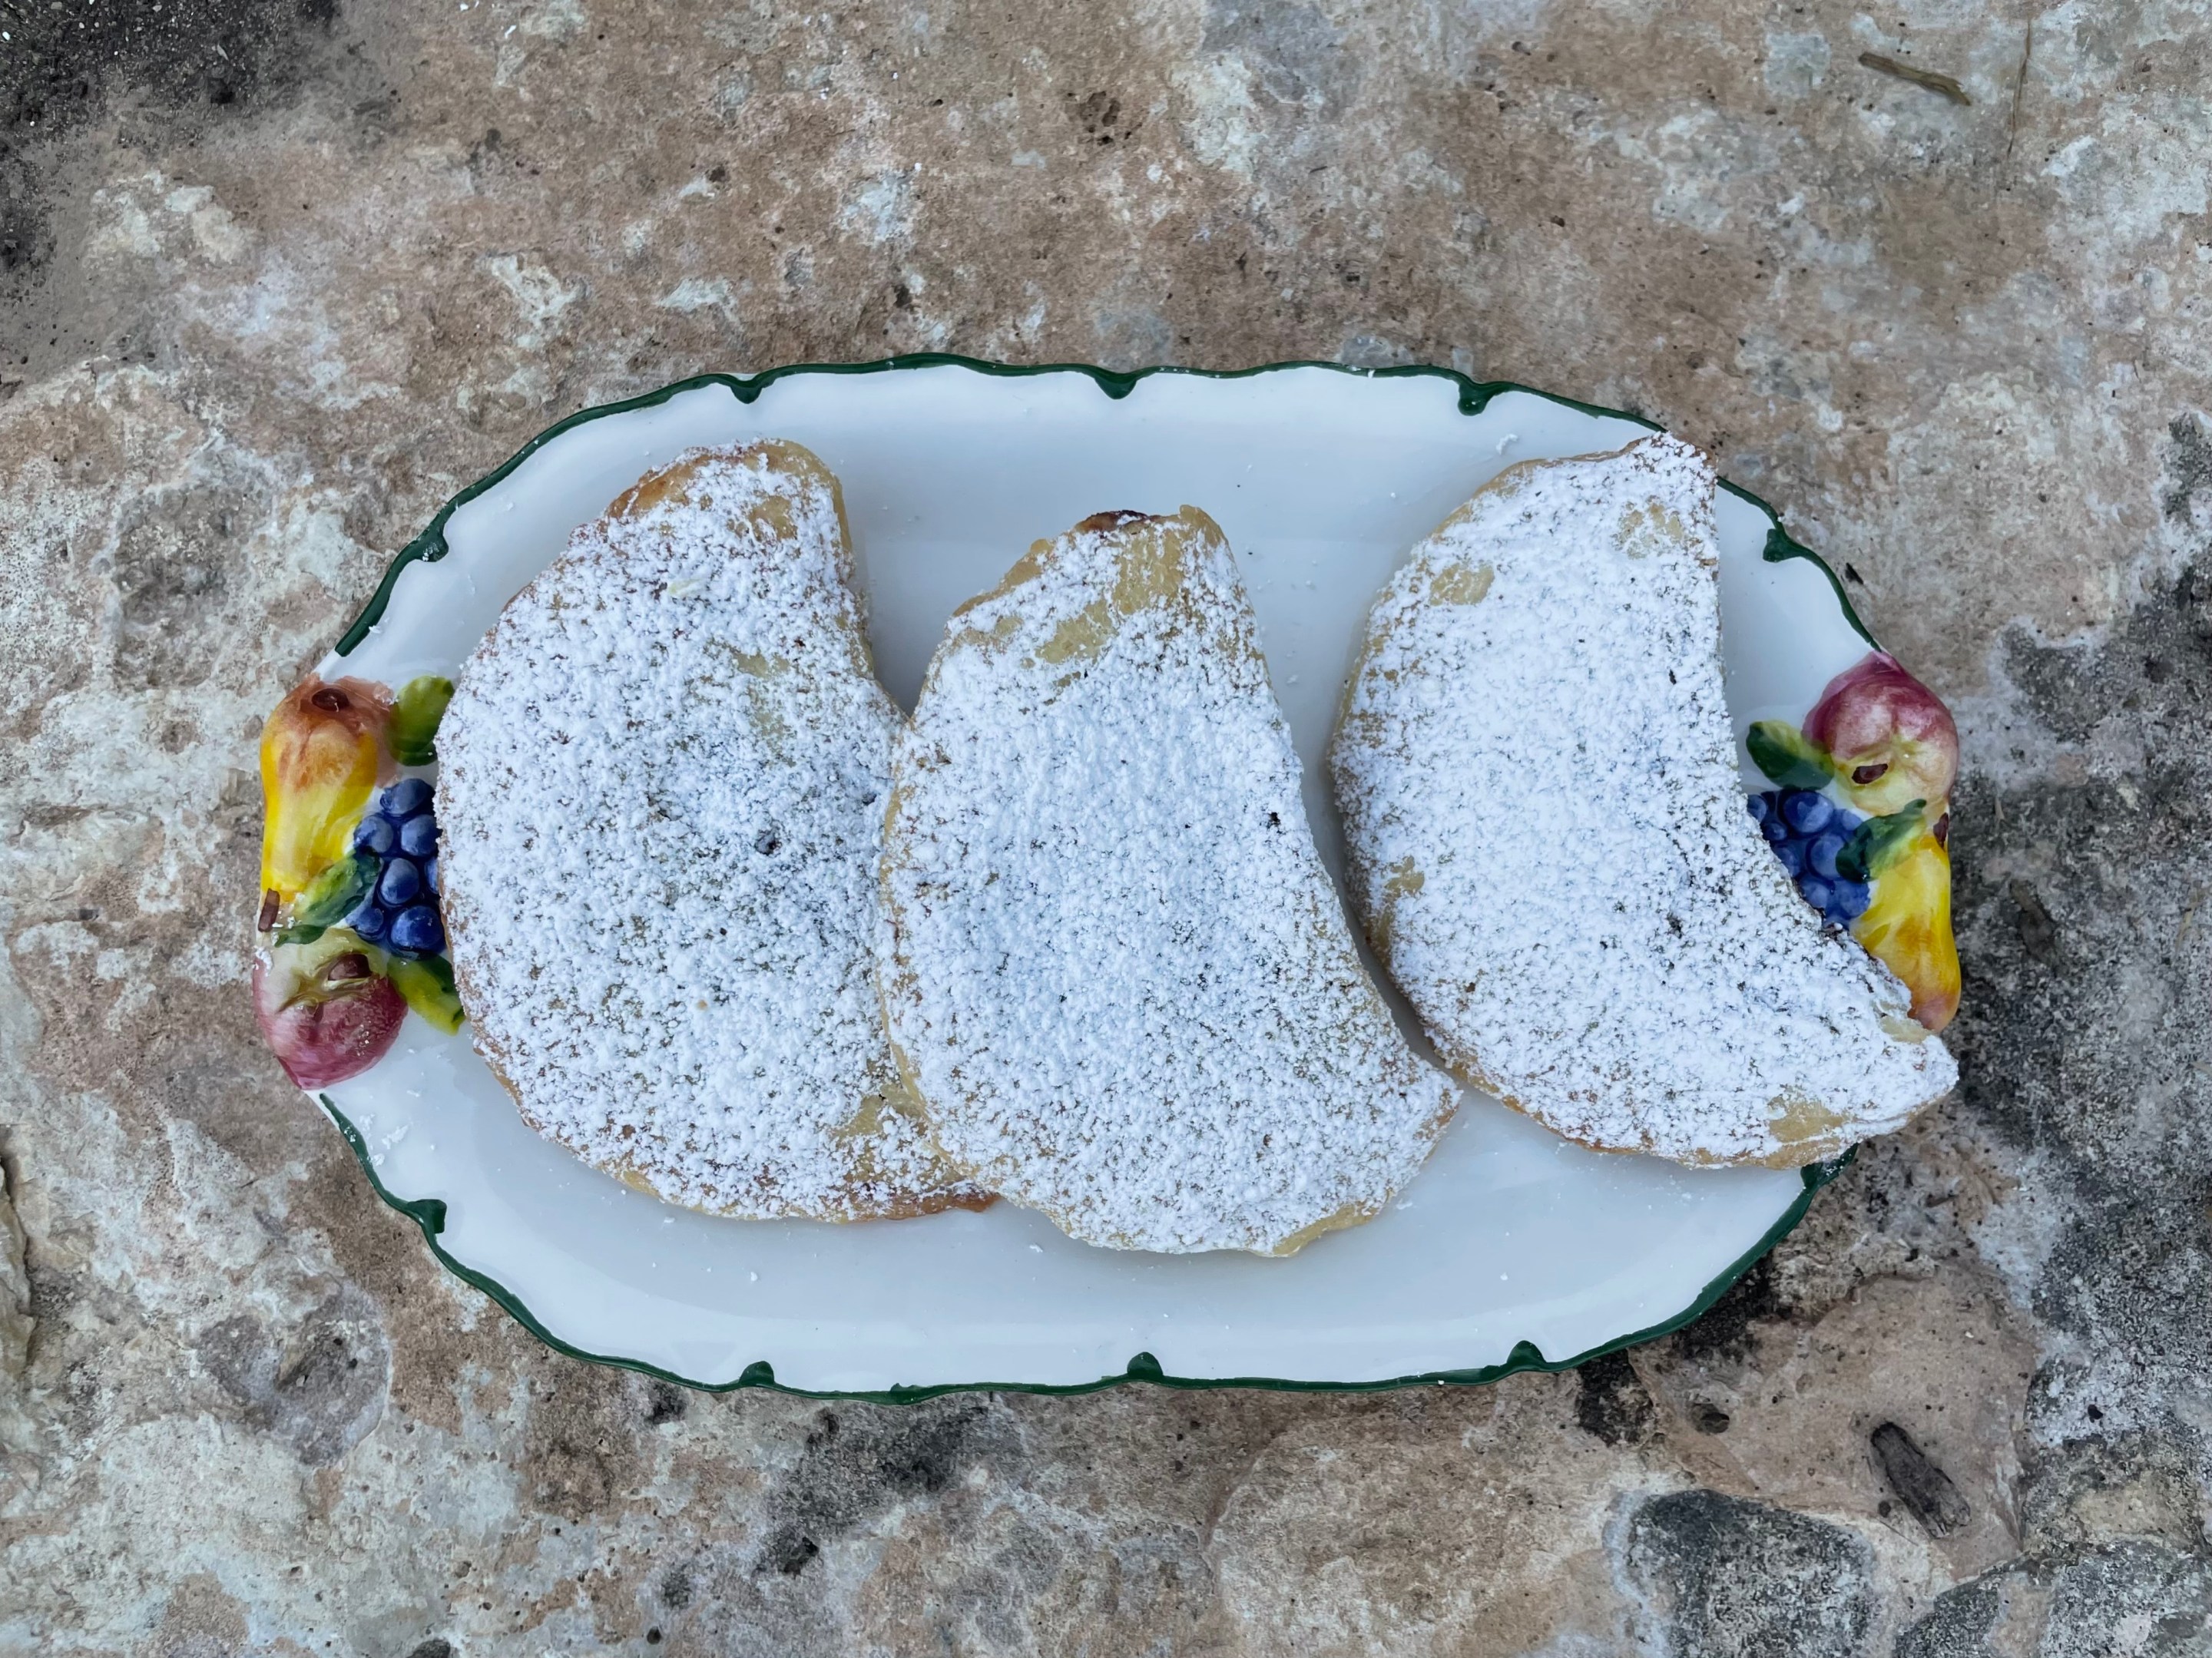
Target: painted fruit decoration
x,y
1861,817
349,937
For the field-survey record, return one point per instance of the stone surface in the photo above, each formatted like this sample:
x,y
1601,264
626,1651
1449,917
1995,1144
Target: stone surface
x,y
278,276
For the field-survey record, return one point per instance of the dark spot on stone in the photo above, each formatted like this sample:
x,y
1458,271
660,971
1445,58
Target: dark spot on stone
x,y
789,1553
1721,1574
901,297
1726,1333
653,1637
718,175
2193,601
2189,468
857,1463
1923,1488
676,1588
311,1389
2039,934
54,1290
665,1402
436,1647
1851,574
1097,114
1708,1418
768,843
1611,1402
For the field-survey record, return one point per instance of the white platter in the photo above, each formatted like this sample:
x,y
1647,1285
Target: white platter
x,y
1512,1250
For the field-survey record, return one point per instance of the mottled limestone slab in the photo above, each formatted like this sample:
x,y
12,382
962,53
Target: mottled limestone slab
x,y
276,278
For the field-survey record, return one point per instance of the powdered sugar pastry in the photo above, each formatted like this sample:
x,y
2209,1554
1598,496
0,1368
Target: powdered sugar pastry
x,y
1115,966
662,788
1537,773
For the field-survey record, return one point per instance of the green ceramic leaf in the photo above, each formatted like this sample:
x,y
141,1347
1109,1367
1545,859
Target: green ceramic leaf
x,y
416,713
298,935
427,982
1787,756
332,895
1876,842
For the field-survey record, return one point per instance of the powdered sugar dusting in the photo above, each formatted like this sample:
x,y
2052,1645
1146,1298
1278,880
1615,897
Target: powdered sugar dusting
x,y
662,788
1116,966
1537,774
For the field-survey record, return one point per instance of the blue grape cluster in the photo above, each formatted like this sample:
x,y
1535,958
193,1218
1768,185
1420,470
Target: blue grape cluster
x,y
1807,832
400,837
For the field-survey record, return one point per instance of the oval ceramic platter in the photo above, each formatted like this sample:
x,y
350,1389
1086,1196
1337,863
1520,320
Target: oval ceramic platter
x,y
1513,1249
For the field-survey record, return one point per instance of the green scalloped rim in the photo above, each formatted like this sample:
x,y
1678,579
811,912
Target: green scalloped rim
x,y
1474,397
429,1213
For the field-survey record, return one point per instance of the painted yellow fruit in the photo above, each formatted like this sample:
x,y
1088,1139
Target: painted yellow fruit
x,y
322,755
1907,927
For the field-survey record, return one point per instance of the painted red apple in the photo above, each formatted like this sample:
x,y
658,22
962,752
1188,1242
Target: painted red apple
x,y
1889,739
325,1010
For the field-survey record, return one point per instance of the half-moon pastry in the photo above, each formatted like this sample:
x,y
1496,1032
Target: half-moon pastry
x,y
1548,842
1116,969
661,794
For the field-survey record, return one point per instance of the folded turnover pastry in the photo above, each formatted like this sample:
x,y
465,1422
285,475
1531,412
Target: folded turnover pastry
x,y
1548,841
662,786
1116,968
